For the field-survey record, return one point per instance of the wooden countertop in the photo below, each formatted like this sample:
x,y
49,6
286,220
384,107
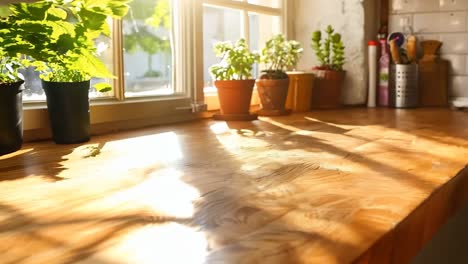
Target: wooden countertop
x,y
344,186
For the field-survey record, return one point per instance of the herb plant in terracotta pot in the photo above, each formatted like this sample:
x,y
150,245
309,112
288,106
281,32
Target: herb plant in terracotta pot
x,y
278,55
233,80
330,75
11,88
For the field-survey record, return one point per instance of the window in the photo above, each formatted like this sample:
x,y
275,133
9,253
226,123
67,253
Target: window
x,y
160,53
219,24
147,37
33,88
254,20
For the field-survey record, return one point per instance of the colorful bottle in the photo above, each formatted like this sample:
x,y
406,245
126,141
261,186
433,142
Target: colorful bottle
x,y
384,69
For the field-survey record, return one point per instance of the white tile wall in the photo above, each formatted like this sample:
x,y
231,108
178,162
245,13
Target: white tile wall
x,y
459,84
400,22
444,20
439,22
457,63
455,43
450,5
405,6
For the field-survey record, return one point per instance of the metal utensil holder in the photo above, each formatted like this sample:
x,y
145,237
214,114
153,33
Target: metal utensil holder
x,y
404,85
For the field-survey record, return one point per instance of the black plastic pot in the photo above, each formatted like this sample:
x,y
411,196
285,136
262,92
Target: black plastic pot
x,y
11,117
68,106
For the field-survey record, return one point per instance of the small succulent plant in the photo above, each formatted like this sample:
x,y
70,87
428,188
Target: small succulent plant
x,y
330,50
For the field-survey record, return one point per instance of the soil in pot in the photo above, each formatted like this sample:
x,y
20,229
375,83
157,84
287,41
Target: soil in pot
x,y
68,106
234,99
11,117
327,89
273,94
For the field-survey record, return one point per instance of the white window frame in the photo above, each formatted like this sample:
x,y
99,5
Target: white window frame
x,y
110,114
284,12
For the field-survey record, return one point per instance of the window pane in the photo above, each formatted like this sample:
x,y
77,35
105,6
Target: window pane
x,y
104,48
219,24
262,28
33,88
269,3
148,48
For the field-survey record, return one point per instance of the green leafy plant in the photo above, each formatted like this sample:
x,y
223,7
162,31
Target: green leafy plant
x,y
330,51
10,61
236,61
9,68
279,55
59,35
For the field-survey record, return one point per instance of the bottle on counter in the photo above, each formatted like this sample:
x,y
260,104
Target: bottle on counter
x,y
384,70
371,100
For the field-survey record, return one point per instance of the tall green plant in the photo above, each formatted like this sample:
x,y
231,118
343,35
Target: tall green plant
x,y
279,55
60,36
236,61
10,61
330,51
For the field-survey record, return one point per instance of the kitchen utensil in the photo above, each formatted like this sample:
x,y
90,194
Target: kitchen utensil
x,y
430,50
433,76
395,51
398,36
411,49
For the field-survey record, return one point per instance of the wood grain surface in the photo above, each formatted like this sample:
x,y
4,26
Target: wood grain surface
x,y
344,186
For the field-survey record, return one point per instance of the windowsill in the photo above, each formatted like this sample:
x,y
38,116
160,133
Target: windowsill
x,y
112,115
110,101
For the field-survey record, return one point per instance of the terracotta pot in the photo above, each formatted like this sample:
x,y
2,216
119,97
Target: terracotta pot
x,y
235,96
327,89
273,93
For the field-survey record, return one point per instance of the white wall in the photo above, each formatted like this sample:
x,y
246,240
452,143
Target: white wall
x,y
444,20
351,19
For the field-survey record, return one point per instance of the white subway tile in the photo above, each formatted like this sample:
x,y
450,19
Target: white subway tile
x,y
409,6
453,5
400,23
398,6
422,37
459,86
440,22
457,64
425,5
454,43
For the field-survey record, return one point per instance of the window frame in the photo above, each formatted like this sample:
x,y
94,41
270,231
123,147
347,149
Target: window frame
x,y
284,12
133,112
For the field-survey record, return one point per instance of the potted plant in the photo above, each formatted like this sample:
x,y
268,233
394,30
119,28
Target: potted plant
x,y
11,87
330,75
233,80
278,55
60,37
